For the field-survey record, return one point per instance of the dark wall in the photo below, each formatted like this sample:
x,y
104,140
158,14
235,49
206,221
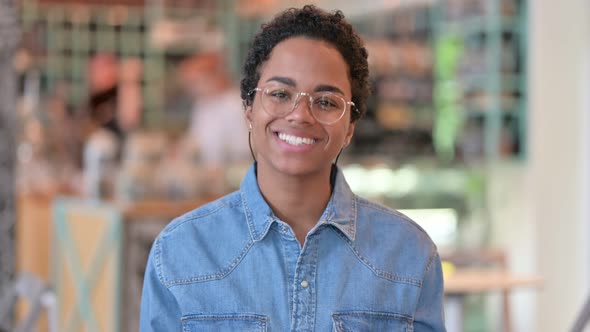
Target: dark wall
x,y
8,39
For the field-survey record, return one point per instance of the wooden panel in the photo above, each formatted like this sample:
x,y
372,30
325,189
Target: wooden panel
x,y
33,234
86,227
88,262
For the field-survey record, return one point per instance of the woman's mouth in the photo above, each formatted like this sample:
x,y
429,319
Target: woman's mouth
x,y
295,140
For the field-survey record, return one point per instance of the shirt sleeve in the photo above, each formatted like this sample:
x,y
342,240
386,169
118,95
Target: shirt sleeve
x,y
159,309
429,314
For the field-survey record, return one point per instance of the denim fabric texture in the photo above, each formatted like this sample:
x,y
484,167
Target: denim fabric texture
x,y
232,265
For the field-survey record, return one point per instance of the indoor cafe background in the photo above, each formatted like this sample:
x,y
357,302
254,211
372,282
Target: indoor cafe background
x,y
479,128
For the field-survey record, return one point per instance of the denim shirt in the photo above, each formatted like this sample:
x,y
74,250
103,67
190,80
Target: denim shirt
x,y
232,265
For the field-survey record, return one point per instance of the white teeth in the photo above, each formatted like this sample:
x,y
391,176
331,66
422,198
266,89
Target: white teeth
x,y
294,140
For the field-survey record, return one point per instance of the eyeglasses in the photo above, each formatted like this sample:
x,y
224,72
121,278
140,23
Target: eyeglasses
x,y
326,107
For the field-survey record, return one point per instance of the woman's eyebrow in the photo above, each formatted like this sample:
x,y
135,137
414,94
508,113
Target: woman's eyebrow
x,y
327,88
320,88
282,79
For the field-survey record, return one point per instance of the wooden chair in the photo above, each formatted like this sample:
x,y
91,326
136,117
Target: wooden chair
x,y
486,258
37,295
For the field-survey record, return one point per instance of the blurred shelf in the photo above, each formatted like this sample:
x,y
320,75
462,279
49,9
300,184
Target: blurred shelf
x,y
509,82
167,209
477,25
487,39
469,281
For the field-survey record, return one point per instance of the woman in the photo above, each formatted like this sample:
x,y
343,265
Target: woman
x,y
294,249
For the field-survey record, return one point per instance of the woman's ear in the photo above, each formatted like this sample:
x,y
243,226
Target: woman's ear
x,y
349,133
248,115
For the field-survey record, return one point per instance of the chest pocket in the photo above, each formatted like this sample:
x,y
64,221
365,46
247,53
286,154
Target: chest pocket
x,y
225,322
367,321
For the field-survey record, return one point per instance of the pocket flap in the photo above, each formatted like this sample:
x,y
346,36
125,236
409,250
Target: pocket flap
x,y
224,322
365,321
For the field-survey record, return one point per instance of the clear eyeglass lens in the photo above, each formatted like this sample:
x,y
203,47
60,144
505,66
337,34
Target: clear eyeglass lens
x,y
326,107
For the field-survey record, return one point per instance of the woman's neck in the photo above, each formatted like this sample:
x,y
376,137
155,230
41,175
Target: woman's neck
x,y
297,200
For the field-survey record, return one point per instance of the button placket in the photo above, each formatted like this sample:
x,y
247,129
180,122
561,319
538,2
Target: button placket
x,y
304,301
292,251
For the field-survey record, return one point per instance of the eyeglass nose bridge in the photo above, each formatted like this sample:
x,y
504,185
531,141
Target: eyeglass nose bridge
x,y
297,98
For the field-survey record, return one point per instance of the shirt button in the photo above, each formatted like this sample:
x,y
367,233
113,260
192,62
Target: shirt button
x,y
304,284
284,229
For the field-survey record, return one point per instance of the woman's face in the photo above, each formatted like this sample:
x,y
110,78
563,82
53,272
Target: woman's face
x,y
296,144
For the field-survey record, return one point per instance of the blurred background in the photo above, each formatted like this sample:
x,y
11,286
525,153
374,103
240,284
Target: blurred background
x,y
117,116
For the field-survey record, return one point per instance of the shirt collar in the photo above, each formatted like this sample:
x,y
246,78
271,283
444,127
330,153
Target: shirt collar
x,y
340,211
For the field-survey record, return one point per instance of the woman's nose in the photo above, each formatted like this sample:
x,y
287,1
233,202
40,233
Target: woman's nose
x,y
302,109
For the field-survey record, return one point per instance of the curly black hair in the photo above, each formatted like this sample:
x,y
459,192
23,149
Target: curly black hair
x,y
315,23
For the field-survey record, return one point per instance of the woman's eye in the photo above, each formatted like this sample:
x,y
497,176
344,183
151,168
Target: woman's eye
x,y
326,104
280,94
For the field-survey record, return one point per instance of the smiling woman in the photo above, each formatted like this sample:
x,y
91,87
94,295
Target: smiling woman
x,y
290,250
277,136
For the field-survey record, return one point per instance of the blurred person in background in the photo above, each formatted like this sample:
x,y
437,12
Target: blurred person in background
x,y
294,249
115,97
114,111
216,124
104,93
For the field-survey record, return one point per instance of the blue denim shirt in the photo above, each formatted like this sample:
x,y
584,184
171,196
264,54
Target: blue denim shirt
x,y
232,265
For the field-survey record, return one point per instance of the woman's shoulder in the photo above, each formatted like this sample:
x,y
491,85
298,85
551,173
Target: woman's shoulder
x,y
393,242
213,211
196,237
387,214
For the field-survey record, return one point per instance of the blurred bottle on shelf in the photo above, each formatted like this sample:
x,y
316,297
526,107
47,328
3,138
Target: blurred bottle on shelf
x,y
100,164
142,156
33,170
